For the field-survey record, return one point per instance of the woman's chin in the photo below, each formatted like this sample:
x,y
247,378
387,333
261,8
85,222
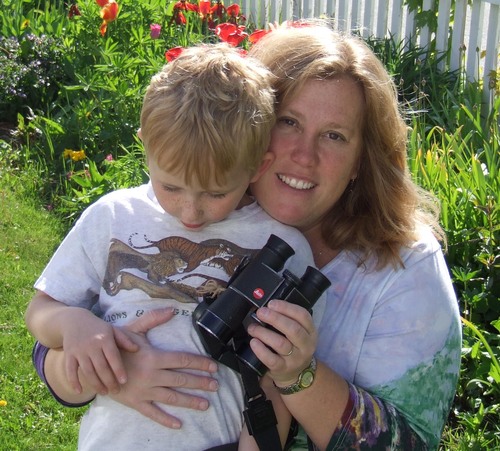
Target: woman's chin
x,y
288,215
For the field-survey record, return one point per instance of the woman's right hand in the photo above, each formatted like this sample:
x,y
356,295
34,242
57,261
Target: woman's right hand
x,y
155,375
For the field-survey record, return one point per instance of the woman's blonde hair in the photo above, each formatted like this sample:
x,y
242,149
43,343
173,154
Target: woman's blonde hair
x,y
206,112
382,209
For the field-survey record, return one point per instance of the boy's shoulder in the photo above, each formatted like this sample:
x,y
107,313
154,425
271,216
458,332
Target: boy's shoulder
x,y
122,196
267,223
134,192
121,200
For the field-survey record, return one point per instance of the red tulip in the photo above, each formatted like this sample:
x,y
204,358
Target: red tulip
x,y
180,19
204,7
74,11
109,11
185,6
231,33
257,34
173,53
233,10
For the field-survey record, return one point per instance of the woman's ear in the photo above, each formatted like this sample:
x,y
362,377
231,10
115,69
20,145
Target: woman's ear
x,y
267,160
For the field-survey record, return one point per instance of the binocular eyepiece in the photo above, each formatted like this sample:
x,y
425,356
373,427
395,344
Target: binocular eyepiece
x,y
220,323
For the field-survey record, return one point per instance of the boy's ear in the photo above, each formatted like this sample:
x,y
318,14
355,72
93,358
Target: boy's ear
x,y
139,134
267,160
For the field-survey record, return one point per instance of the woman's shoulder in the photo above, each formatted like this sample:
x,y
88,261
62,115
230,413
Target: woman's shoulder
x,y
422,256
424,246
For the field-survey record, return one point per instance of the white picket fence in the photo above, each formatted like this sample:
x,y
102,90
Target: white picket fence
x,y
472,33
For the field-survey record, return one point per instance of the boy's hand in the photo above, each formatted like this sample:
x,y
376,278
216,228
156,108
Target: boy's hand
x,y
92,349
155,375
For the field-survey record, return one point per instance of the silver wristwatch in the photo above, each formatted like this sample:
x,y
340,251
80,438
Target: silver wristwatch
x,y
305,380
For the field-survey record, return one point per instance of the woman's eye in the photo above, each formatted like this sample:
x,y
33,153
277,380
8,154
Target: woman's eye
x,y
335,136
287,121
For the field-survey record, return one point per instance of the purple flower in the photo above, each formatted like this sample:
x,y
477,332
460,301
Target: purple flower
x,y
155,30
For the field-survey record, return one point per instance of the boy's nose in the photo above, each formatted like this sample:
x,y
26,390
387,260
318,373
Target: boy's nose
x,y
191,212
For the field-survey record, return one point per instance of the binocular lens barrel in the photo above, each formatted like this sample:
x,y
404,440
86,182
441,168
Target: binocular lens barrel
x,y
313,284
275,253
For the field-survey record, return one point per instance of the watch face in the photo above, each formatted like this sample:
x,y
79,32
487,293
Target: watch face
x,y
307,378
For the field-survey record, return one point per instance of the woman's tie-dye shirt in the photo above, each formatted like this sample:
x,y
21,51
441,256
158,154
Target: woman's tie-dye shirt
x,y
395,336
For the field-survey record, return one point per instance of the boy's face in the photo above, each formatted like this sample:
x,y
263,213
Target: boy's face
x,y
194,206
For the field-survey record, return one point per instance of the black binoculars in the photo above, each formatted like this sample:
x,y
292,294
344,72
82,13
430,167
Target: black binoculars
x,y
221,322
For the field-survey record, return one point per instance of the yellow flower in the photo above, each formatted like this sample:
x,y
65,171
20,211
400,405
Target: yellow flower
x,y
78,155
3,402
75,155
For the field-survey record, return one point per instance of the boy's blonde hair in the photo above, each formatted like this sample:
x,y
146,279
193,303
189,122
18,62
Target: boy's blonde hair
x,y
207,112
383,209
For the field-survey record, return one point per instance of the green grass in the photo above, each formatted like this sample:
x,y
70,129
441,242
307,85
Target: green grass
x,y
30,420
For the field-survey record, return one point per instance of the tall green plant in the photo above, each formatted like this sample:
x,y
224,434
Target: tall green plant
x,y
461,167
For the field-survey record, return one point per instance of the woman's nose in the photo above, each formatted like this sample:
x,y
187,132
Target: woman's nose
x,y
304,151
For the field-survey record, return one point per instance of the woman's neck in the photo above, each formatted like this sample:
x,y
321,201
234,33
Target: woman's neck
x,y
322,253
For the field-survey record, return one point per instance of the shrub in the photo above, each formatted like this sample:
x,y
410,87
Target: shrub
x,y
33,70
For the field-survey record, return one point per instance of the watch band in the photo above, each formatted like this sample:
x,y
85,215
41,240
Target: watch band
x,y
305,380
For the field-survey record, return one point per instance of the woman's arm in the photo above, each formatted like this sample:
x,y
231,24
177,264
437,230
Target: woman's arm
x,y
90,344
153,375
370,420
332,412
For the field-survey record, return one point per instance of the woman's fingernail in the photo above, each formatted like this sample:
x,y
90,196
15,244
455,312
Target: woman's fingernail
x,y
213,385
264,311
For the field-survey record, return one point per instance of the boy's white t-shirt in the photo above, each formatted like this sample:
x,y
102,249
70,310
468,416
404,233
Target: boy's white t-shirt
x,y
125,256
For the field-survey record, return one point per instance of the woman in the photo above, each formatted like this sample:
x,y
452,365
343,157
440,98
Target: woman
x,y
388,348
391,331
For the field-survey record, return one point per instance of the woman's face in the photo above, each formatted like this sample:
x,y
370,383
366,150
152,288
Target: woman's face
x,y
317,144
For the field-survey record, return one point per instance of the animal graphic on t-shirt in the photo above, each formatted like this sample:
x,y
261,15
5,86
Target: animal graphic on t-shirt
x,y
176,255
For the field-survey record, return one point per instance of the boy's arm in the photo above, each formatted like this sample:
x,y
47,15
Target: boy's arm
x,y
54,371
90,344
247,442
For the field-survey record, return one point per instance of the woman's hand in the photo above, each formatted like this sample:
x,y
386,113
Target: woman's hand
x,y
154,375
293,350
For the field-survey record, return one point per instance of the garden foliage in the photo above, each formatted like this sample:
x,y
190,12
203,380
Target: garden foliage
x,y
71,86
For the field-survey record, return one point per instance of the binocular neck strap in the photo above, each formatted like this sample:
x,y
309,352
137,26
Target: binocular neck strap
x,y
259,414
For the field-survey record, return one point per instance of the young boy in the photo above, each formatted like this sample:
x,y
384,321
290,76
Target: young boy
x,y
205,125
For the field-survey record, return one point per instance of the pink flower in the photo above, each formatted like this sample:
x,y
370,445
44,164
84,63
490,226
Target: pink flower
x,y
155,30
109,157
